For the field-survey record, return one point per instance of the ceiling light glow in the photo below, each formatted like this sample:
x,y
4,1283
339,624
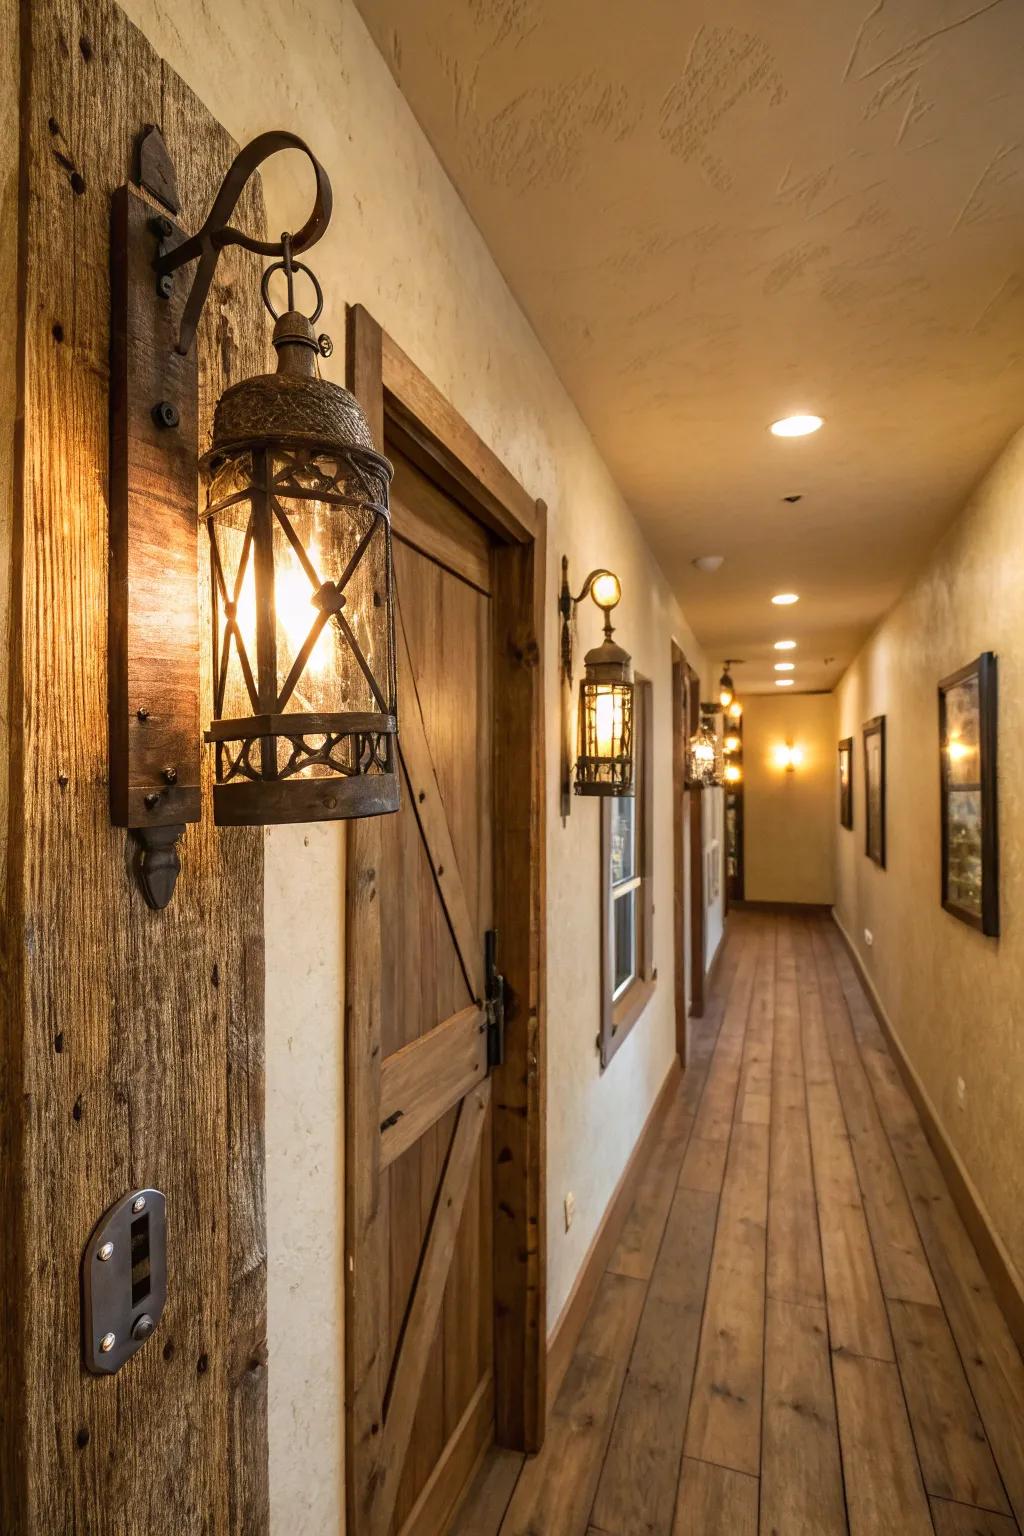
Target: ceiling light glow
x,y
783,682
785,645
784,599
796,426
784,666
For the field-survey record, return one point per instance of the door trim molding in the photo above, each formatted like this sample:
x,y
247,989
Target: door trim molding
x,y
401,403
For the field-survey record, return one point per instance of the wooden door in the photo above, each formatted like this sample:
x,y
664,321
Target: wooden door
x,y
696,822
435,887
680,744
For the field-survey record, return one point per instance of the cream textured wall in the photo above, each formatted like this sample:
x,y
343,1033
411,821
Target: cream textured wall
x,y
953,996
789,818
403,244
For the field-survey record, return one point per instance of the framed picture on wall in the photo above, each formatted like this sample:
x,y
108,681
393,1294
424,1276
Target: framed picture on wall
x,y
846,782
874,790
967,764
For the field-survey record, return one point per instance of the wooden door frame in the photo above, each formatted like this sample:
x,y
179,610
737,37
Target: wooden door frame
x,y
680,738
402,403
696,808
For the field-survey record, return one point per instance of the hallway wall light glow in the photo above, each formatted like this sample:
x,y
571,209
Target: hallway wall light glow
x,y
785,599
787,756
796,426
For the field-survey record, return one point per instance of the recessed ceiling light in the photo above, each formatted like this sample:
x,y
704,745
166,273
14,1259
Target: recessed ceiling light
x,y
709,563
785,645
796,426
784,666
783,599
783,682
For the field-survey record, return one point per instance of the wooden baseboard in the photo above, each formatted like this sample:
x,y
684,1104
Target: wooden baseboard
x,y
564,1335
1000,1269
458,1465
792,908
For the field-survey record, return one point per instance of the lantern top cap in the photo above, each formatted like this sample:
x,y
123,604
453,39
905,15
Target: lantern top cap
x,y
294,407
608,663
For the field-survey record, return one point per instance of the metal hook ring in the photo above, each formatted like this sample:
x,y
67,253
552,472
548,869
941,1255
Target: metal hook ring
x,y
294,266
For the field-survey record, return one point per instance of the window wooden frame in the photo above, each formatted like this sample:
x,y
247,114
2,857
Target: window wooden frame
x,y
619,1014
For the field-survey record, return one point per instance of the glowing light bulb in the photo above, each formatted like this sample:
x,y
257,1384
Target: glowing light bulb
x,y
607,722
733,773
606,590
732,743
785,599
796,426
735,710
785,645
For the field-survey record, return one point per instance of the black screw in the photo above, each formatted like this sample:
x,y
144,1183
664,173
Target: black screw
x,y
142,712
165,414
152,800
161,226
171,775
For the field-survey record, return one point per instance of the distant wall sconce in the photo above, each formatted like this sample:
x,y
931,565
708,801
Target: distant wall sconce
x,y
299,535
735,710
787,756
733,773
704,760
604,760
733,743
726,686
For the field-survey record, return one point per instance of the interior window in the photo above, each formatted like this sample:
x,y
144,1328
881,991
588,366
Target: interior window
x,y
627,970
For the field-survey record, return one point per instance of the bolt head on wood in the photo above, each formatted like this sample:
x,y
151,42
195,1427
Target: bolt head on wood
x,y
107,1342
105,1253
139,1204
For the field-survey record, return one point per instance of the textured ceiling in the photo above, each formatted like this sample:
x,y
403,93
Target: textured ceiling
x,y
720,213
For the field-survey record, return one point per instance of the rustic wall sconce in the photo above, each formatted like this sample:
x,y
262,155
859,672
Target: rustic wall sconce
x,y
604,761
726,686
304,708
704,759
788,757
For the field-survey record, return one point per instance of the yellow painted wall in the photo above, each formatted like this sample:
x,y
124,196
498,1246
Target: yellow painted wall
x,y
403,244
789,818
953,996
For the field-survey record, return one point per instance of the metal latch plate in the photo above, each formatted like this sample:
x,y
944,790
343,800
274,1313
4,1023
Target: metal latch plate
x,y
124,1280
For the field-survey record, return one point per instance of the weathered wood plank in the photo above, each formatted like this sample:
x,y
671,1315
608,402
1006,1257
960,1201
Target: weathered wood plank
x,y
411,1362
483,1509
556,1488
123,1022
952,1446
637,1490
961,1520
428,1077
856,1308
638,1246
801,1475
883,1482
724,1424
715,1501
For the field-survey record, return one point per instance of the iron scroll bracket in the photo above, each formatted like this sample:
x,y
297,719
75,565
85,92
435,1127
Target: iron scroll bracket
x,y
206,245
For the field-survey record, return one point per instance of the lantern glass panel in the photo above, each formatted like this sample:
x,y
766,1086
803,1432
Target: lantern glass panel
x,y
605,763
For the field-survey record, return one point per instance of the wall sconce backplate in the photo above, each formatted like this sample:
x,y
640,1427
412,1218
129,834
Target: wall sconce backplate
x,y
124,1280
154,602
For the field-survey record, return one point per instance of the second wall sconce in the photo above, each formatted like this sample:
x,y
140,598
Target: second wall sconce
x,y
299,533
604,760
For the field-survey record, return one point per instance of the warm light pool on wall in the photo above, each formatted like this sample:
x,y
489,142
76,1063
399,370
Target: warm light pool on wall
x,y
604,750
298,535
796,426
787,756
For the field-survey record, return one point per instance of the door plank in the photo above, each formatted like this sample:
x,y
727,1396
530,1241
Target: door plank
x,y
725,1412
883,1481
715,1501
441,1493
484,1508
425,797
423,516
637,1489
428,1077
425,1306
801,1476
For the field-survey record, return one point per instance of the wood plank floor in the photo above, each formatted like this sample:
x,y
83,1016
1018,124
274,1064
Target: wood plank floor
x,y
794,1336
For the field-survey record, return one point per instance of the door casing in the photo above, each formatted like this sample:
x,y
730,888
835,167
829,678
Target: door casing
x,y
401,403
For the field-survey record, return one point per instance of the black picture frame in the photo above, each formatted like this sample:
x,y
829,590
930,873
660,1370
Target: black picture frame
x,y
846,783
969,803
873,733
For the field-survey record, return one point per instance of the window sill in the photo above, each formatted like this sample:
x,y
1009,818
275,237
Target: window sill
x,y
626,1011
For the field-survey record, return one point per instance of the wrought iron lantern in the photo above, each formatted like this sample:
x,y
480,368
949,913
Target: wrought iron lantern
x,y
300,544
726,686
298,530
705,762
604,757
